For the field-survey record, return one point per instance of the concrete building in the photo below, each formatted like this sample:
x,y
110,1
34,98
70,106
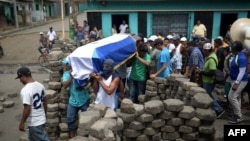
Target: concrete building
x,y
165,16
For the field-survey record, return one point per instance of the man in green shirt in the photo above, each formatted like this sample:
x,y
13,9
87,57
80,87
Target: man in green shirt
x,y
208,76
137,79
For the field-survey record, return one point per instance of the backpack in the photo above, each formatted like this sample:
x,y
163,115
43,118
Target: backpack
x,y
219,75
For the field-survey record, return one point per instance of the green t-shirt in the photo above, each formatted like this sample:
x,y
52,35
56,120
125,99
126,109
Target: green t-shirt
x,y
138,71
209,65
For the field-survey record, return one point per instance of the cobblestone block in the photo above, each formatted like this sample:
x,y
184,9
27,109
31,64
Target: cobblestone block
x,y
125,117
51,115
154,106
175,122
201,100
150,131
54,85
168,129
206,129
110,113
136,125
127,106
50,93
79,138
205,114
2,98
12,95
1,109
139,109
174,105
8,104
171,136
188,112
142,138
185,129
131,133
52,107
167,114
160,80
52,122
63,127
191,136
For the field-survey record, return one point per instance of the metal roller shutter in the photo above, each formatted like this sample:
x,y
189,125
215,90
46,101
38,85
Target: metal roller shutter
x,y
170,23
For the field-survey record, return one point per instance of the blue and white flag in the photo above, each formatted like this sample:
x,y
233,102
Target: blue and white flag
x,y
89,58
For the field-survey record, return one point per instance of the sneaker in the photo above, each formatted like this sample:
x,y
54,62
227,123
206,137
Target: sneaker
x,y
235,119
219,114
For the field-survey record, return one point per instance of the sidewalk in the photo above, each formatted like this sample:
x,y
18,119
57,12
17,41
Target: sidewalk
x,y
11,29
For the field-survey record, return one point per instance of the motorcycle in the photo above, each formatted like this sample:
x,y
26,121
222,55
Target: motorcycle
x,y
1,48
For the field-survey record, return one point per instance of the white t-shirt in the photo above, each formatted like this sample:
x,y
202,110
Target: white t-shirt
x,y
33,95
103,97
122,28
51,35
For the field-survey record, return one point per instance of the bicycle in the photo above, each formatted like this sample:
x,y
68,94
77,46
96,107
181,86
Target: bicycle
x,y
43,58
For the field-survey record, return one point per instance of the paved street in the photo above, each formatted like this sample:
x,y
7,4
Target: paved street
x,y
20,47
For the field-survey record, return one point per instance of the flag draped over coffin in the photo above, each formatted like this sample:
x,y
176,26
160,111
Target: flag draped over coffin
x,y
89,58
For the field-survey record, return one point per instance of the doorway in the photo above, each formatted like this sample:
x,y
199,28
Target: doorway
x,y
50,11
117,20
226,20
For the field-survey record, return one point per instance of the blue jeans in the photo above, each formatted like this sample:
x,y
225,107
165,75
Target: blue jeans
x,y
72,113
135,89
39,48
209,87
37,133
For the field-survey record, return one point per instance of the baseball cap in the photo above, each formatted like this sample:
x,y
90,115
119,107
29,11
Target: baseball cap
x,y
23,71
152,38
184,39
171,48
65,61
41,33
207,46
169,37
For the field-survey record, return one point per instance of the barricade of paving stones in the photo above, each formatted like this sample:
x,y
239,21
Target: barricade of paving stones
x,y
170,109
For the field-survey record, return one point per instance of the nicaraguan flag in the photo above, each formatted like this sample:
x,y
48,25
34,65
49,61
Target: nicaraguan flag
x,y
89,58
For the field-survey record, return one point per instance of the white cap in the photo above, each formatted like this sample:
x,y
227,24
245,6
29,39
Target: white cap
x,y
220,37
41,33
145,40
169,37
171,47
152,38
184,39
207,46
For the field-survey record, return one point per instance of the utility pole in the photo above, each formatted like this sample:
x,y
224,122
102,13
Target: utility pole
x,y
15,13
62,14
71,19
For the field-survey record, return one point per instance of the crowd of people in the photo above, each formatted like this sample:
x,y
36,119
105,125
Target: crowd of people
x,y
157,56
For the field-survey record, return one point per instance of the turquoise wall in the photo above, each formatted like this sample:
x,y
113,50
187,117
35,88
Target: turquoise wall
x,y
149,24
216,25
132,7
166,5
